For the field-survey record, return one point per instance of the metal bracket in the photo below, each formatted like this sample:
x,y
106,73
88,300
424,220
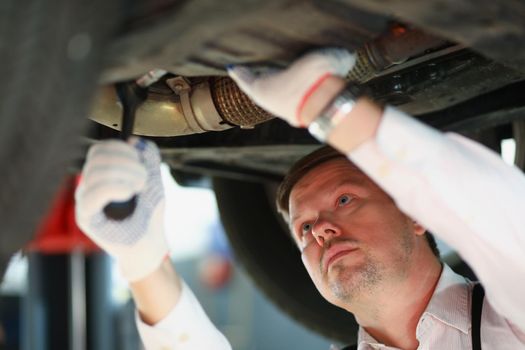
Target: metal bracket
x,y
182,88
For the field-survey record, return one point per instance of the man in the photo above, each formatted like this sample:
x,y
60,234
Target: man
x,y
360,225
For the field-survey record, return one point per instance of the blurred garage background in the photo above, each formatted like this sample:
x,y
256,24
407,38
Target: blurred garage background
x,y
38,298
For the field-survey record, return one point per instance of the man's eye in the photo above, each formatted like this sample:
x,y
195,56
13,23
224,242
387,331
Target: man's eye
x,y
344,200
305,228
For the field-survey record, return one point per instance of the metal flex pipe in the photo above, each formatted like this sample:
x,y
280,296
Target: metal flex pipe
x,y
396,46
213,105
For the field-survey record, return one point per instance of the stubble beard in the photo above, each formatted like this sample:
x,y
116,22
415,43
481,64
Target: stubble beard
x,y
350,283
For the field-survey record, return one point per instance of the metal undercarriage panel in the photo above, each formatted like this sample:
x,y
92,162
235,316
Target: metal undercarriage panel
x,y
200,37
495,29
445,87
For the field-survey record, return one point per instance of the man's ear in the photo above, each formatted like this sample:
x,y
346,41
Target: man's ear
x,y
418,229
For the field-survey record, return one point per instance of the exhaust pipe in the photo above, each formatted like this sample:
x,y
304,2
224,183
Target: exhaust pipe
x,y
218,104
392,48
213,105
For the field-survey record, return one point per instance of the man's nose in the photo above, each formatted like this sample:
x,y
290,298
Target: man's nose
x,y
325,229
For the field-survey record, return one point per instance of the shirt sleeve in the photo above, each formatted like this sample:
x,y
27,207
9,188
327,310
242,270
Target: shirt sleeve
x,y
186,327
463,193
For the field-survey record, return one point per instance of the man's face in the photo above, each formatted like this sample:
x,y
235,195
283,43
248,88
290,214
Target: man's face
x,y
354,241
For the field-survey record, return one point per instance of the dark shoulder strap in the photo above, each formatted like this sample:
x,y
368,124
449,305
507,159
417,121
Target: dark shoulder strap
x,y
476,308
478,294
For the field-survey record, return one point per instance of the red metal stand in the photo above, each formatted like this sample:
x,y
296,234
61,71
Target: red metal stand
x,y
58,233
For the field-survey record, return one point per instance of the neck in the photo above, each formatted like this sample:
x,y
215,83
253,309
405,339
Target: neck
x,y
393,320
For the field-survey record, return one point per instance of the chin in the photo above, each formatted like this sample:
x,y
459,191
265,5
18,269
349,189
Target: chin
x,y
344,284
348,283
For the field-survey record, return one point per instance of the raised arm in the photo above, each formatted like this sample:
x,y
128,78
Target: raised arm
x,y
456,188
460,191
169,316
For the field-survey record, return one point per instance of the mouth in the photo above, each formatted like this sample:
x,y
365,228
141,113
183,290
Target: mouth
x,y
335,254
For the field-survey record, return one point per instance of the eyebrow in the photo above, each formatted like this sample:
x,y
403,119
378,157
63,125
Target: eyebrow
x,y
354,181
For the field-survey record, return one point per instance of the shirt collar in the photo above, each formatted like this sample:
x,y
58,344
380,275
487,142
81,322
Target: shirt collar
x,y
449,304
450,301
366,342
364,337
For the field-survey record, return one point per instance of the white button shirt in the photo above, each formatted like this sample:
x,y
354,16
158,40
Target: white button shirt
x,y
463,193
185,327
460,191
446,322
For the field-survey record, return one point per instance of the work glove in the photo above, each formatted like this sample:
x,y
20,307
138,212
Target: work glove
x,y
115,171
284,93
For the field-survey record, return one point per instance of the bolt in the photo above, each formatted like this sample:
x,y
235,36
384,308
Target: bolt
x,y
178,87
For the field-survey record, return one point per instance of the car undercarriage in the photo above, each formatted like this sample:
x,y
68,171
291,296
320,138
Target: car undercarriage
x,y
458,66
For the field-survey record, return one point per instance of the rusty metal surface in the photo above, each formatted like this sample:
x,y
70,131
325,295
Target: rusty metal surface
x,y
495,28
394,47
200,37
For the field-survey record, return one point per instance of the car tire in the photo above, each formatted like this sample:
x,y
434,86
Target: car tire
x,y
261,244
51,56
